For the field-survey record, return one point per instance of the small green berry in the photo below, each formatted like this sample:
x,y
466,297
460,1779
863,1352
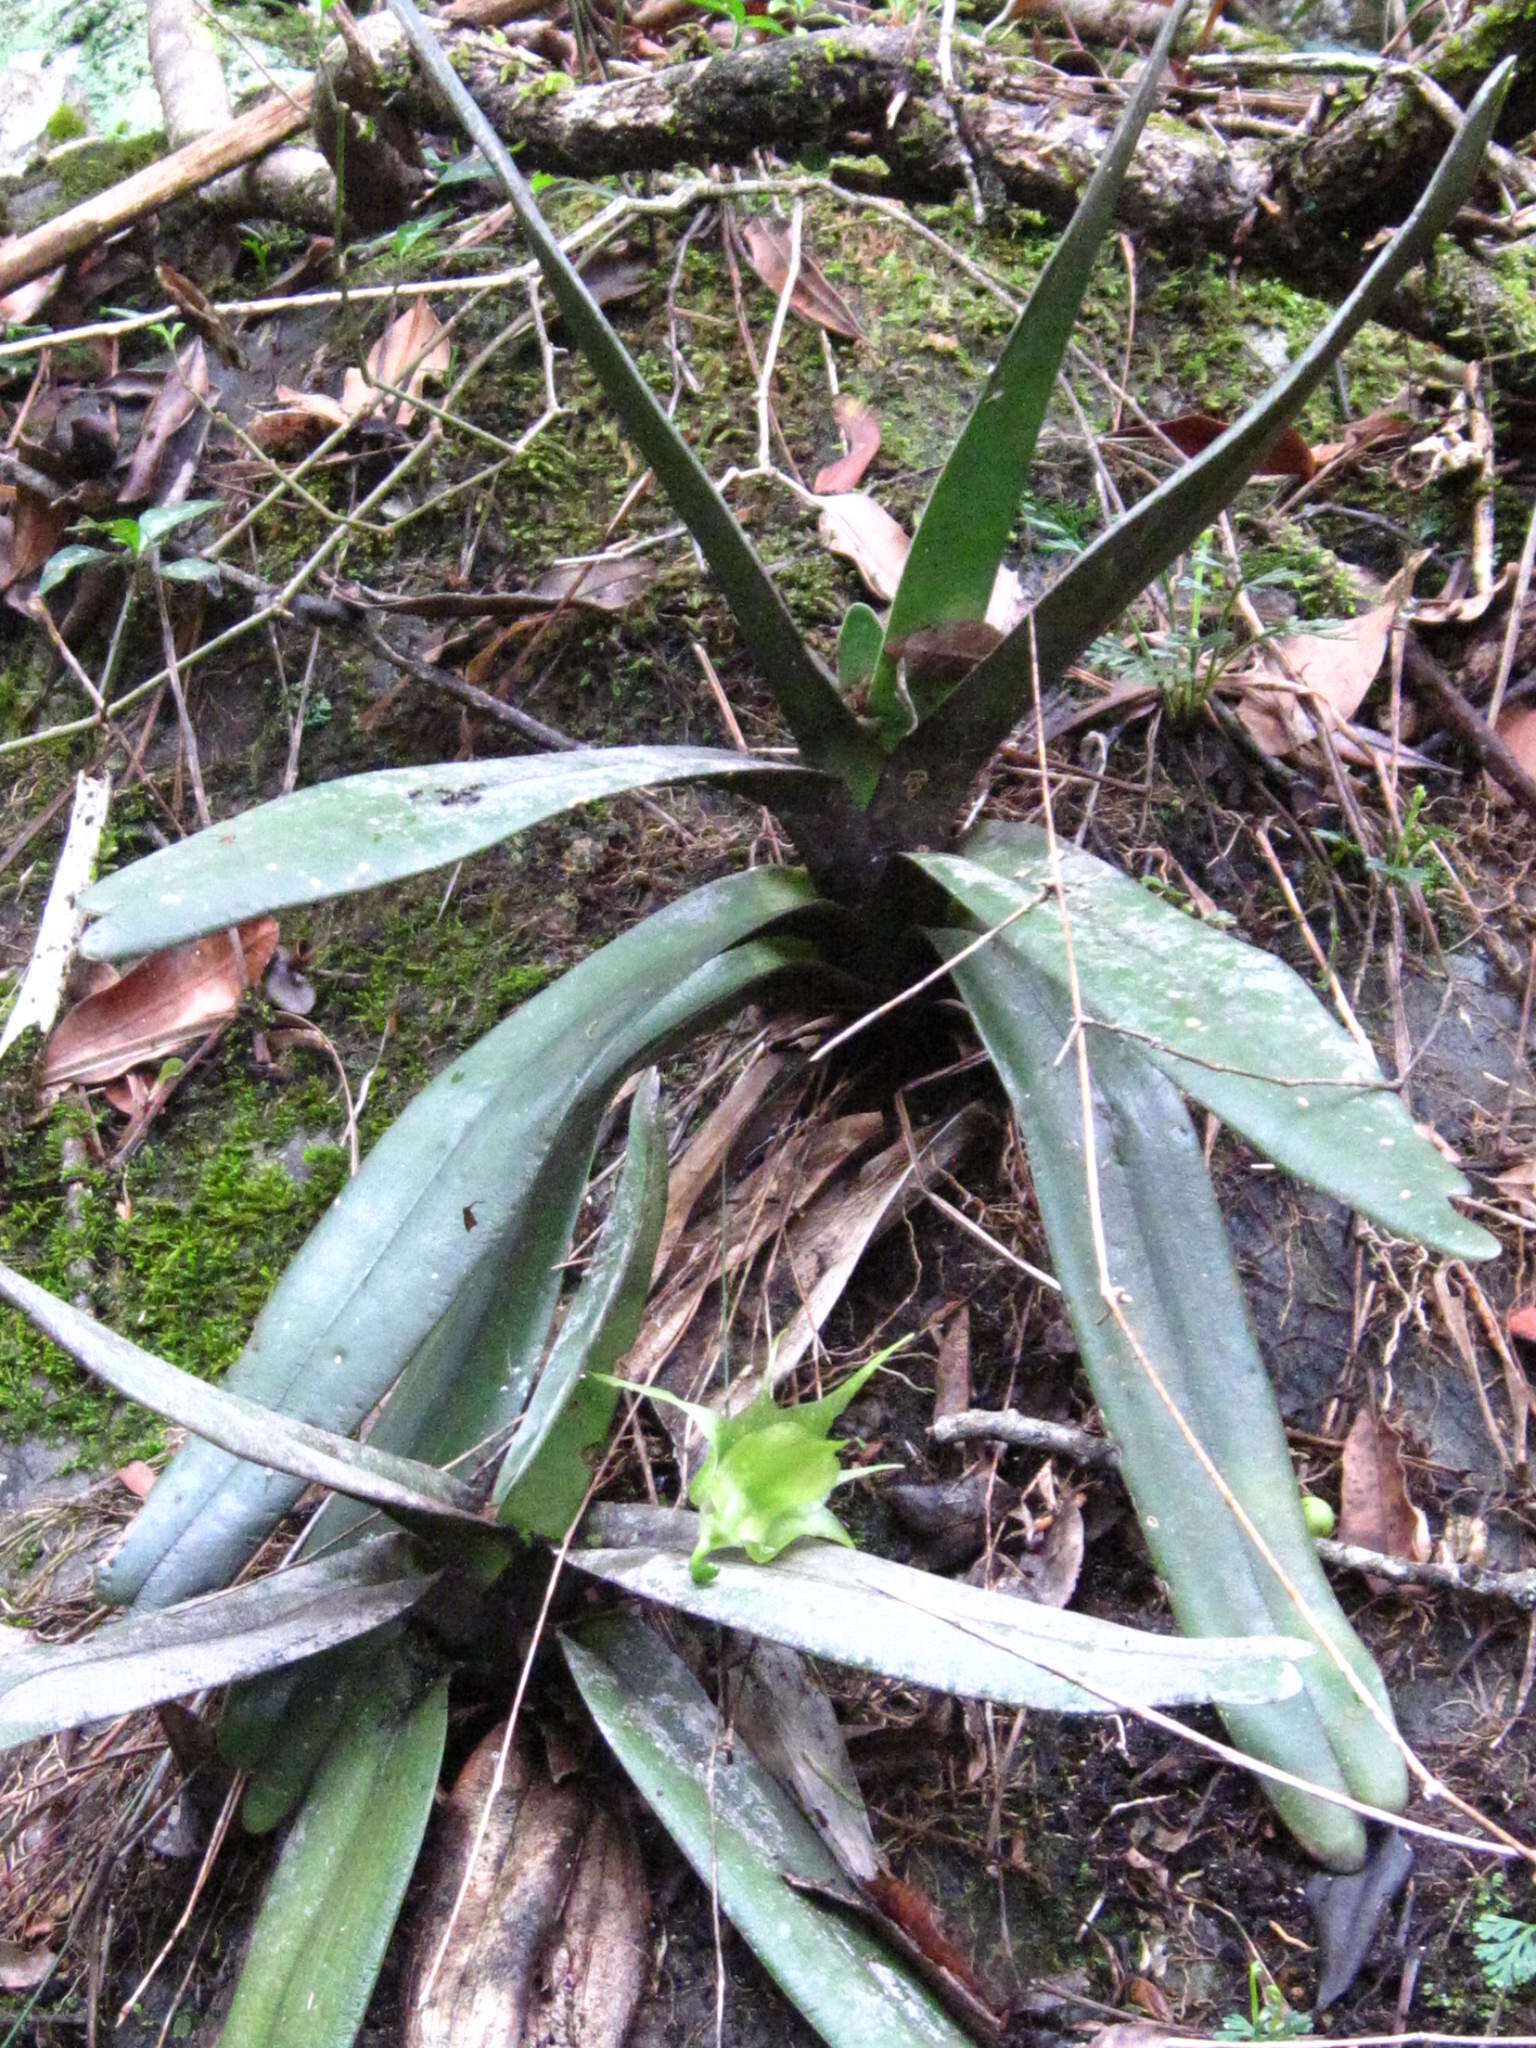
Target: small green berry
x,y
1317,1514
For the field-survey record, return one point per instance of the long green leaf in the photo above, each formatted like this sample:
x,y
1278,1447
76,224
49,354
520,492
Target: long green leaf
x,y
1234,1027
544,1476
442,1409
744,1837
362,831
244,1428
333,1898
164,1656
394,1260
830,736
963,532
874,1615
1167,1253
1125,558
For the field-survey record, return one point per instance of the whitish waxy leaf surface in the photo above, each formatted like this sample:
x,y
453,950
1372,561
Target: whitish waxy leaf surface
x,y
744,1835
166,1655
1167,1252
1235,1028
393,1278
871,1614
362,831
242,1427
334,1895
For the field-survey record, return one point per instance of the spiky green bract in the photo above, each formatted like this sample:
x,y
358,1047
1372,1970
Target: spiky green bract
x,y
769,1472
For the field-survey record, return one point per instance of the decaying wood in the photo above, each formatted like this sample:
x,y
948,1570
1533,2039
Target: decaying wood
x,y
293,182
1306,211
23,257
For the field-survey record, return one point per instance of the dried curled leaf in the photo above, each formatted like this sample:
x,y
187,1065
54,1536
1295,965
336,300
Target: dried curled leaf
x,y
1376,1511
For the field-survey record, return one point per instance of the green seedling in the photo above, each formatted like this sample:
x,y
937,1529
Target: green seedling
x,y
134,541
1268,2017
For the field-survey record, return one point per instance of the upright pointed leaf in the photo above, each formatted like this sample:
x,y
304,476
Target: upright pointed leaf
x,y
164,1656
1125,558
745,1836
333,1898
239,1426
1232,1025
544,1476
393,1263
830,736
361,831
958,546
873,1615
1167,1254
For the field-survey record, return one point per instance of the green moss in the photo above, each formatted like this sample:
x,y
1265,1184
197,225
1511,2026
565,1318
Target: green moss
x,y
65,124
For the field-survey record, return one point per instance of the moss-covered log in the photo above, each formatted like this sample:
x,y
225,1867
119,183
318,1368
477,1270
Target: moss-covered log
x,y
1302,211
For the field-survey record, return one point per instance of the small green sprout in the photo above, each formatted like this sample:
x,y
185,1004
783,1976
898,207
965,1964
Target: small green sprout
x,y
769,1472
1268,2017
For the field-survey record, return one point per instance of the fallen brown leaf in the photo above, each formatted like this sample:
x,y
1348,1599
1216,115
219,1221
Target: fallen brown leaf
x,y
1303,675
168,413
23,1969
852,524
1516,727
28,300
609,583
164,1003
862,431
952,1376
813,298
1375,1511
790,1725
200,316
414,347
37,527
1192,432
548,1948
138,1477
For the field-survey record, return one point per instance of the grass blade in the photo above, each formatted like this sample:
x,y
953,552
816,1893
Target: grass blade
x,y
333,1898
243,1428
151,1657
362,831
1232,1026
1168,1255
873,1615
544,1476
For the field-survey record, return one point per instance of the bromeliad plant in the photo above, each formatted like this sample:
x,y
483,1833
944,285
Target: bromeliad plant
x,y
342,1704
